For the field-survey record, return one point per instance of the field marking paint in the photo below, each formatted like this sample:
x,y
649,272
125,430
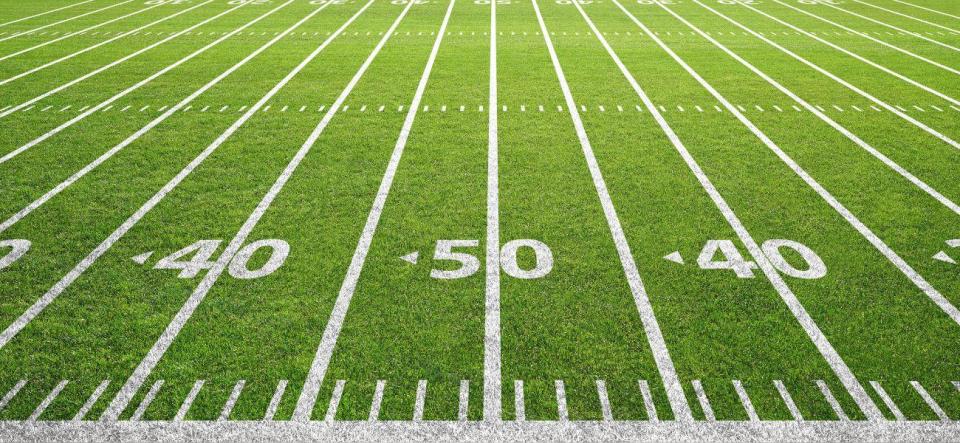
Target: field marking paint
x,y
464,403
519,404
745,401
149,126
188,401
49,399
897,414
421,400
43,13
275,401
788,400
809,326
834,404
92,400
334,401
832,45
898,29
561,390
151,394
318,369
377,396
918,280
492,382
648,404
928,399
67,35
22,33
704,401
927,9
186,311
12,393
605,410
232,401
658,346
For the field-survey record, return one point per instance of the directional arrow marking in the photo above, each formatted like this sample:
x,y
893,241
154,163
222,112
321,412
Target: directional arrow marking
x,y
411,257
674,257
942,256
142,258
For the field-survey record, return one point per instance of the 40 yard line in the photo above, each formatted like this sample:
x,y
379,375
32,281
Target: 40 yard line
x,y
318,369
658,346
43,13
492,380
39,28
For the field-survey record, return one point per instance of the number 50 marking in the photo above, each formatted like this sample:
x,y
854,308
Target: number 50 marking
x,y
18,249
470,264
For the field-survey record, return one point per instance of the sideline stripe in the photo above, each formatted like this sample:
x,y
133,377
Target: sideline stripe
x,y
796,308
232,401
151,394
421,400
562,413
888,401
788,400
335,401
377,401
50,398
92,400
492,382
115,236
318,369
704,401
658,346
519,404
928,399
173,329
928,9
605,409
11,393
648,400
898,29
745,401
18,34
43,13
828,395
275,401
942,302
188,401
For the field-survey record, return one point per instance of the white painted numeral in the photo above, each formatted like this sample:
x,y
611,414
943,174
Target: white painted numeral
x,y
248,2
657,2
815,266
18,249
508,259
570,2
739,2
469,264
238,267
201,254
733,260
817,2
403,2
202,251
168,2
487,2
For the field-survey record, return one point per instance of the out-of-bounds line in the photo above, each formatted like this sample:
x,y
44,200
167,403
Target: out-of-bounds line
x,y
895,28
834,46
95,46
146,365
318,369
76,33
918,280
43,13
188,400
12,393
796,308
275,401
47,400
658,346
880,42
937,25
492,382
927,9
92,400
6,224
39,28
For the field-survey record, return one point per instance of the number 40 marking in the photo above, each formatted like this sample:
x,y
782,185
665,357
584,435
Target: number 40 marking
x,y
771,249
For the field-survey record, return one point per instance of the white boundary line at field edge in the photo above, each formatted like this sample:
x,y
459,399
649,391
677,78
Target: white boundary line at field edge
x,y
22,33
810,327
895,28
318,369
658,346
43,13
15,218
927,9
492,381
909,16
143,370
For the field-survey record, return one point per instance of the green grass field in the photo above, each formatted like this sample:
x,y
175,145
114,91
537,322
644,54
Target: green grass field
x,y
644,210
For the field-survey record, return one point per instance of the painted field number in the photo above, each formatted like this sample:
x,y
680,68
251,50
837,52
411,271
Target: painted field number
x,y
193,259
468,264
814,267
18,248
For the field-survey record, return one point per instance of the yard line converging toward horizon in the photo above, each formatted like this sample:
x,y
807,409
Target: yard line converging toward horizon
x,y
492,374
928,9
40,28
936,25
887,25
44,13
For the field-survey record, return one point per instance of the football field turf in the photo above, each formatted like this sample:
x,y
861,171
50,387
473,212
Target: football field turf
x,y
708,218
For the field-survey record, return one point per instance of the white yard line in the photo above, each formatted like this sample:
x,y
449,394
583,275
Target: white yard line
x,y
703,400
318,369
377,401
275,400
918,280
658,346
12,393
22,33
937,25
648,404
813,331
188,400
492,382
43,13
421,400
928,399
792,406
231,401
47,400
147,400
92,400
834,404
463,406
928,9
335,397
605,410
562,413
897,414
519,403
745,401
895,28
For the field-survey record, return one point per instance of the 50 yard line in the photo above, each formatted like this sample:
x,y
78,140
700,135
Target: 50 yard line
x,y
43,13
658,346
39,28
492,377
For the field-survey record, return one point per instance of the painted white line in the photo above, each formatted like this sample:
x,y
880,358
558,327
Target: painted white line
x,y
519,403
12,393
888,401
31,31
942,302
878,41
956,384
464,404
658,346
334,401
80,32
562,413
188,401
275,401
928,399
825,42
43,13
786,294
648,404
49,399
745,401
898,29
788,400
421,400
186,311
492,383
232,401
828,395
605,410
142,409
704,401
92,400
928,9
125,396
318,369
378,392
